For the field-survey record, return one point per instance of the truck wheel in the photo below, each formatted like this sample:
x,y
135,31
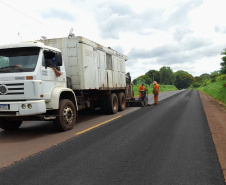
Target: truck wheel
x,y
10,125
66,115
112,104
121,101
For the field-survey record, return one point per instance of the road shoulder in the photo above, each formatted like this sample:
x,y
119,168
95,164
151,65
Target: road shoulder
x,y
216,115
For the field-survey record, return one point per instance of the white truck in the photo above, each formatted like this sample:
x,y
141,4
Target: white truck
x,y
85,74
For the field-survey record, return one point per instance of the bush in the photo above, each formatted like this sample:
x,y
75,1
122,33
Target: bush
x,y
221,78
206,82
196,85
216,90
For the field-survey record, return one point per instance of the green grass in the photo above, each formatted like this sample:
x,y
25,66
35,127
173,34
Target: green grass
x,y
216,90
162,88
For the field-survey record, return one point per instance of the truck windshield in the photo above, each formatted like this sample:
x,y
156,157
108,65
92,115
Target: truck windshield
x,y
14,60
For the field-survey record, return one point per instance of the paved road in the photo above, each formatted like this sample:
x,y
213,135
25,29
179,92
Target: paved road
x,y
164,95
24,142
35,136
165,144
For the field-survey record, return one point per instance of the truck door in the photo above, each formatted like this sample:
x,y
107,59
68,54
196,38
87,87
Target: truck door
x,y
49,78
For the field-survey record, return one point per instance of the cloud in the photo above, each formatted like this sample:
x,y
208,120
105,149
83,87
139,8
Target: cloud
x,y
181,32
192,43
151,33
180,56
53,13
180,16
220,29
188,50
114,18
118,49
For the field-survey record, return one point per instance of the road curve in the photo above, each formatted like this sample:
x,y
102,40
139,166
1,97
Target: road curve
x,y
165,144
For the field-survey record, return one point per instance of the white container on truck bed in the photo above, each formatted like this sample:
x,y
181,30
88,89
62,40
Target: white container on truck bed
x,y
89,64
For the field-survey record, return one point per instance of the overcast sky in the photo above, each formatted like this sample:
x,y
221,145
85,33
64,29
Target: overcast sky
x,y
184,35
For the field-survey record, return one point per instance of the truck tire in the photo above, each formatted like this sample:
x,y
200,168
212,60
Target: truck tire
x,y
10,125
66,116
121,101
112,104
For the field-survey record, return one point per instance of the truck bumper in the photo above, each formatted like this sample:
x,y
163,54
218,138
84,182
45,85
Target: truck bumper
x,y
22,108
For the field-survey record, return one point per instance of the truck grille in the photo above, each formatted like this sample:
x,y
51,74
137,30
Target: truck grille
x,y
11,89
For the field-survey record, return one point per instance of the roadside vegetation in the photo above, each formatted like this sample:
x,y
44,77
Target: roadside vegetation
x,y
213,84
166,76
215,88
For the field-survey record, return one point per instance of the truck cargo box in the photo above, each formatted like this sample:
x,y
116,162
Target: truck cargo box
x,y
89,64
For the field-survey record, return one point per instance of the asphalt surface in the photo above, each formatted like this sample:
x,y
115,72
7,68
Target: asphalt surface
x,y
165,144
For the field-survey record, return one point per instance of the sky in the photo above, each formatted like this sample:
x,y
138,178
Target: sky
x,y
184,35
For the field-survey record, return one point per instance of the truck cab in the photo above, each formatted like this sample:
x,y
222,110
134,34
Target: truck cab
x,y
30,89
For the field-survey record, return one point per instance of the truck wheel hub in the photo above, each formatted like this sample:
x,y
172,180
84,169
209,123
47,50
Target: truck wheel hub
x,y
68,114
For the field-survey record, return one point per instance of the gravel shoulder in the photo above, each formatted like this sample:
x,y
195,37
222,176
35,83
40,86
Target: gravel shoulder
x,y
216,115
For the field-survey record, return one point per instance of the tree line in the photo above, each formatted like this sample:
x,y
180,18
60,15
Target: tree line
x,y
182,79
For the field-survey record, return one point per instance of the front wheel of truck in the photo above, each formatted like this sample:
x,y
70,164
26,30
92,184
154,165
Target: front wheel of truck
x,y
10,125
66,115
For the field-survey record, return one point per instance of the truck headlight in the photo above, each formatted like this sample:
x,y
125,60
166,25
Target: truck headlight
x,y
23,106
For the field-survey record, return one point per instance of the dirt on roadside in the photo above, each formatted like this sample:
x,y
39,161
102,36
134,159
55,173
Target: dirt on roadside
x,y
216,116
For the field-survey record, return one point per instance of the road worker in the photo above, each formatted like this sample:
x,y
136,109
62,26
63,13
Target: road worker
x,y
156,92
141,88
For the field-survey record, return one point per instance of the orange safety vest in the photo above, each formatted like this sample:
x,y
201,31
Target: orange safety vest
x,y
142,88
156,89
156,93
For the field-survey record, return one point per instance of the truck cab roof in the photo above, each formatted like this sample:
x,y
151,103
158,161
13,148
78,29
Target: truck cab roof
x,y
28,44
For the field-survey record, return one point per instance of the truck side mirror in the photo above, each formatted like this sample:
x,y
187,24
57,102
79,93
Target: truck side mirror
x,y
58,58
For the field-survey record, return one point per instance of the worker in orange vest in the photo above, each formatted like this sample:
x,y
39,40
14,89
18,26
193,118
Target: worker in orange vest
x,y
141,88
156,92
